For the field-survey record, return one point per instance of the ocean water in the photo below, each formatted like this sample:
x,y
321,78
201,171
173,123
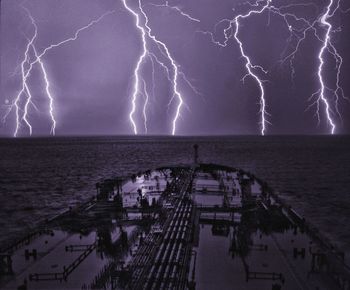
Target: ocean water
x,y
40,177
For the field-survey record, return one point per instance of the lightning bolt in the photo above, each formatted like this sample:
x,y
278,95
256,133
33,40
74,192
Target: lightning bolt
x,y
138,65
177,9
48,93
164,49
292,21
321,28
145,105
232,30
250,67
298,34
327,45
26,69
170,66
25,89
322,21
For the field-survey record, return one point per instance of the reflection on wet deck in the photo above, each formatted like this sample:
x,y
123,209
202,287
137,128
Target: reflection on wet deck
x,y
188,227
64,257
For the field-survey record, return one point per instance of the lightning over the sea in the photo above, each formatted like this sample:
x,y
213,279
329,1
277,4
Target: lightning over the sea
x,y
290,57
162,57
298,27
232,30
327,45
24,99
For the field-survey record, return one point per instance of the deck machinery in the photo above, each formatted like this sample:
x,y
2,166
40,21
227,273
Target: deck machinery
x,y
198,226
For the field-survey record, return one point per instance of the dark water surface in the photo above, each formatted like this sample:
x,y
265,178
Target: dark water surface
x,y
41,177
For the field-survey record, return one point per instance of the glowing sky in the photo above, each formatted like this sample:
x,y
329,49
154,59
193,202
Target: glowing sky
x,y
92,77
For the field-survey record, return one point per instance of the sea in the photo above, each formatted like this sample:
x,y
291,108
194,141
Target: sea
x,y
41,177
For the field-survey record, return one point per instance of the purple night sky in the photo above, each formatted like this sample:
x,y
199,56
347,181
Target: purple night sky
x,y
91,78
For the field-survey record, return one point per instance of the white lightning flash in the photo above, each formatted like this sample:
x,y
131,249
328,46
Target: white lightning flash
x,y
322,21
171,68
165,51
232,30
177,9
138,66
26,66
327,45
300,35
250,67
145,105
25,89
48,93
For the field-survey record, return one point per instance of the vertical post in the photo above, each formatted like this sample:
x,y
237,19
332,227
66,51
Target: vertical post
x,y
195,147
192,283
98,188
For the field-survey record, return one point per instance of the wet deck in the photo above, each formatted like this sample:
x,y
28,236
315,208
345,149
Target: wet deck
x,y
189,227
